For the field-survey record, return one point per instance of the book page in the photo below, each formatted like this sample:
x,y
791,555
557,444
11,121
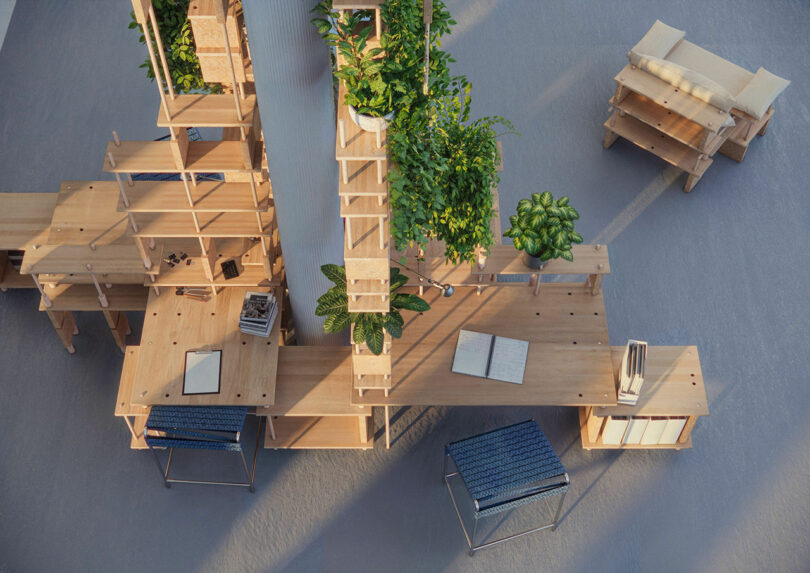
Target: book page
x,y
472,353
508,360
202,372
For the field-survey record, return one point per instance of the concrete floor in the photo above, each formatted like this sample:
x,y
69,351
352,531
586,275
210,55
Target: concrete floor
x,y
725,267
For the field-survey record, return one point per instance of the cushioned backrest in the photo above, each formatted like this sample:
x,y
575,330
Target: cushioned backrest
x,y
687,80
756,97
658,41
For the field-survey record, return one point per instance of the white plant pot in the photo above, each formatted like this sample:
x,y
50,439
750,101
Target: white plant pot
x,y
368,123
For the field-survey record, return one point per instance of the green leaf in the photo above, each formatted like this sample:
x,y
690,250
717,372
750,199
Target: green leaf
x,y
545,199
409,302
335,273
374,337
337,322
332,302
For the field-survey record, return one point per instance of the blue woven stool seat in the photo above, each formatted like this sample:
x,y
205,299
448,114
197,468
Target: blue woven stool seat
x,y
198,428
504,469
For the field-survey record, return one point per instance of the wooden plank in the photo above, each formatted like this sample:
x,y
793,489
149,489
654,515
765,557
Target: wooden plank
x,y
24,219
362,181
208,196
315,433
109,259
670,97
368,287
85,297
86,279
356,4
207,110
215,69
369,303
313,381
156,157
137,441
174,325
211,225
364,207
86,212
11,277
673,152
674,125
673,384
360,145
558,372
589,444
207,29
123,405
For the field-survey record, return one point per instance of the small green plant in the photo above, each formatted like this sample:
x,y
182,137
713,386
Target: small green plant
x,y
178,41
367,326
544,227
361,70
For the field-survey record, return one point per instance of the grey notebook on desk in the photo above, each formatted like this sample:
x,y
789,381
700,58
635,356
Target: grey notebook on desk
x,y
489,356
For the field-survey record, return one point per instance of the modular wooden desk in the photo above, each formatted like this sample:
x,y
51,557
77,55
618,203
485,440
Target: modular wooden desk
x,y
174,325
568,364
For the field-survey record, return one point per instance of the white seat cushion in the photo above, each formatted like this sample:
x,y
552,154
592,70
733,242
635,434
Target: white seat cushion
x,y
687,80
658,40
758,95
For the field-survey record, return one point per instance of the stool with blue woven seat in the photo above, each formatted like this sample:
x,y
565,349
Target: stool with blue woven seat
x,y
504,469
199,428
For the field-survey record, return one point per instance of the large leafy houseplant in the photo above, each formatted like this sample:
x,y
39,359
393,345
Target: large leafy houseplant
x,y
178,41
361,69
368,327
544,228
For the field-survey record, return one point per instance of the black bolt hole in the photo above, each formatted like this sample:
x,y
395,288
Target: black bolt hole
x,y
580,395
243,343
575,342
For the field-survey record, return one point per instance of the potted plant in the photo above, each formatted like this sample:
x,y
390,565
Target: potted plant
x,y
367,326
544,229
368,95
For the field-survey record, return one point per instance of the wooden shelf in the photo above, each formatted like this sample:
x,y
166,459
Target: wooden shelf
x,y
85,214
24,219
670,97
362,181
314,433
11,278
157,157
372,382
366,241
356,4
314,381
676,126
207,110
370,287
208,196
178,225
652,140
139,443
370,303
364,207
123,402
194,275
121,297
66,259
598,445
85,279
360,145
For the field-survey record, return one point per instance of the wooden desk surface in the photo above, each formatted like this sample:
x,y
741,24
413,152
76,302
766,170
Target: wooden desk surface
x,y
87,212
673,384
175,324
569,361
24,219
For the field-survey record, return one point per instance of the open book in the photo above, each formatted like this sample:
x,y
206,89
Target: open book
x,y
489,356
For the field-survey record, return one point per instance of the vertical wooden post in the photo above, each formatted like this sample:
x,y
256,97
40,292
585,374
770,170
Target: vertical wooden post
x,y
159,42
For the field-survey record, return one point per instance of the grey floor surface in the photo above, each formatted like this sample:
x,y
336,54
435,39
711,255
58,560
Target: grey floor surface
x,y
725,267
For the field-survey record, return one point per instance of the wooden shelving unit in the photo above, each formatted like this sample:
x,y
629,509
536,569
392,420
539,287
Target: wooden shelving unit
x,y
673,386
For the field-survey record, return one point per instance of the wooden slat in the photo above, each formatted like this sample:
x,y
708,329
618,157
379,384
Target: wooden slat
x,y
673,384
194,275
208,196
207,110
674,125
652,140
86,213
174,325
364,207
108,259
156,157
356,4
211,225
672,98
24,219
11,277
315,433
81,297
123,405
369,303
371,287
362,181
85,279
558,372
313,381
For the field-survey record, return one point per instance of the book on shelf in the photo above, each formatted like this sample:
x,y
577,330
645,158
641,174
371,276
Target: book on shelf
x,y
259,311
652,433
672,430
614,429
631,372
635,429
489,356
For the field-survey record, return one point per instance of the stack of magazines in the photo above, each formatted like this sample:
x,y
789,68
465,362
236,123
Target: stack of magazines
x,y
259,312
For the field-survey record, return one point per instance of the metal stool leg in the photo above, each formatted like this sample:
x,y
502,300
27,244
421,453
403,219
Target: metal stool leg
x,y
559,510
472,537
159,465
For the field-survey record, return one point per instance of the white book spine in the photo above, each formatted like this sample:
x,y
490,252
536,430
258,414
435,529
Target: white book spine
x,y
652,433
614,429
672,431
635,429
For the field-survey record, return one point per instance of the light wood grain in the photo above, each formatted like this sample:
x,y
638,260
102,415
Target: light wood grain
x,y
174,325
85,297
109,259
208,196
590,444
558,372
330,432
362,181
211,225
123,405
24,219
86,213
156,157
360,145
207,110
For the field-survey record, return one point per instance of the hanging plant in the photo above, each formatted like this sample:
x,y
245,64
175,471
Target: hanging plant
x,y
178,42
366,326
544,228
